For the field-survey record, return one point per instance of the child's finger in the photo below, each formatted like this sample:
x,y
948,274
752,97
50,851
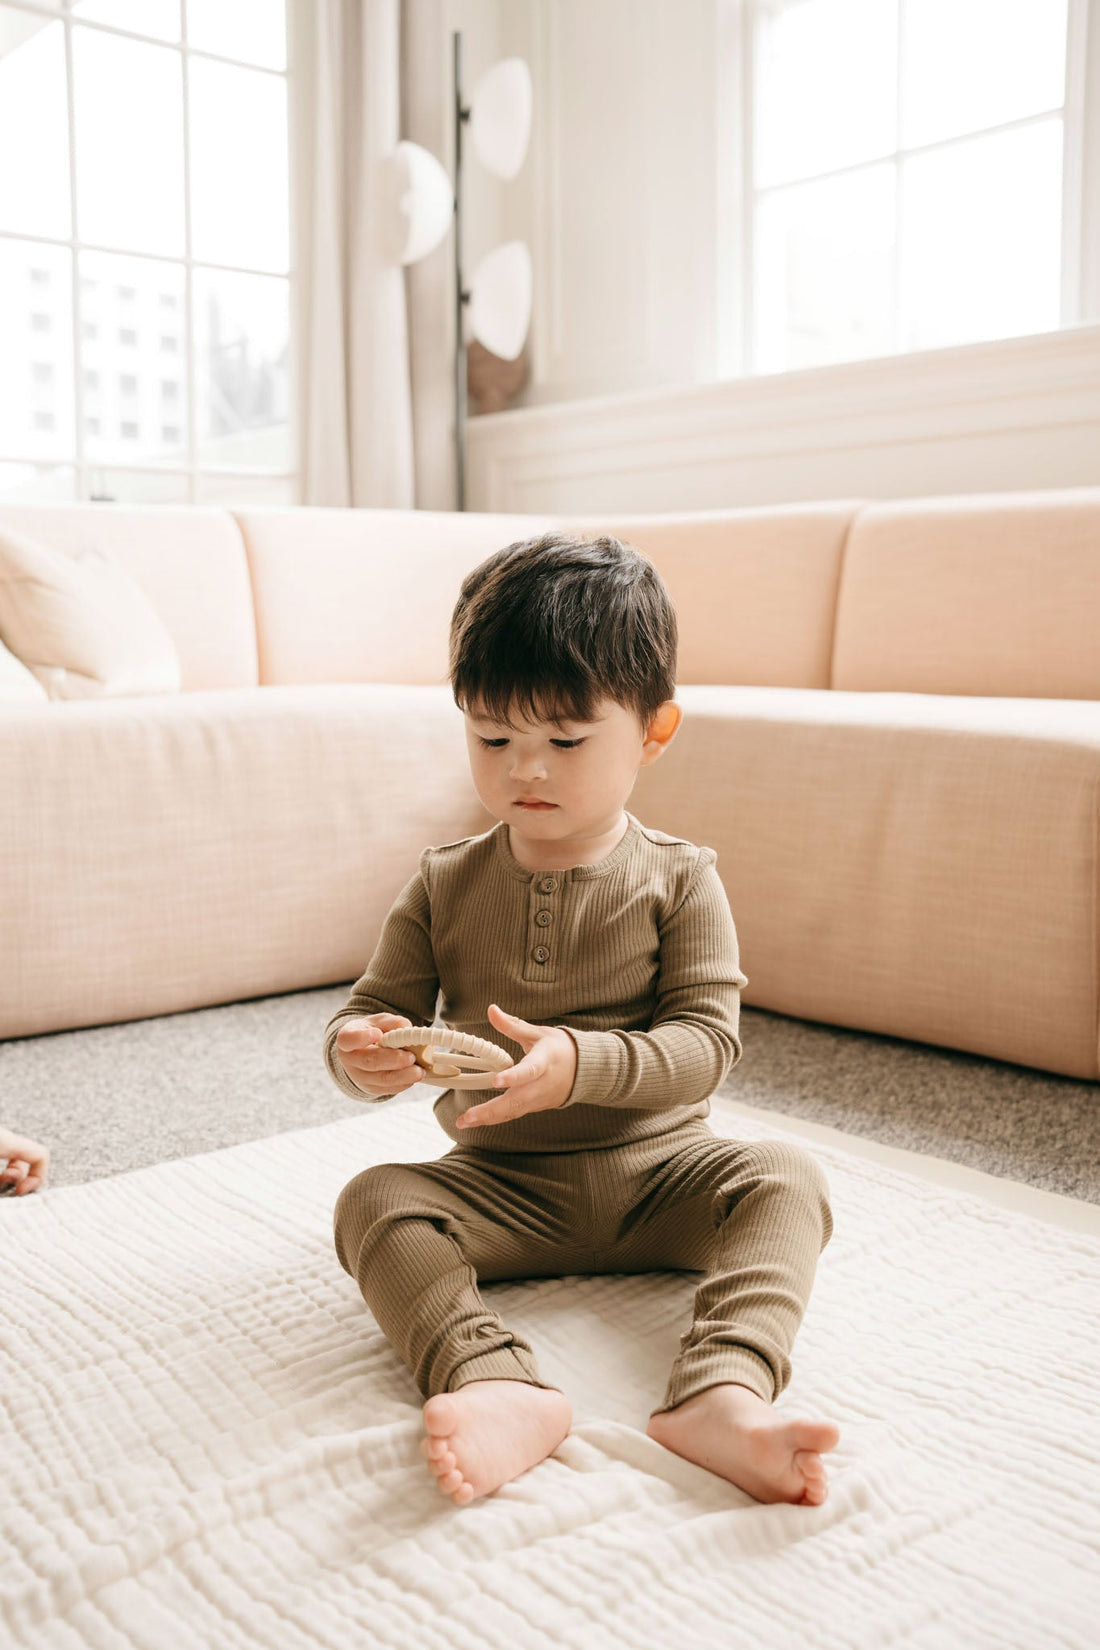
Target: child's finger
x,y
380,1059
524,1071
356,1035
519,1030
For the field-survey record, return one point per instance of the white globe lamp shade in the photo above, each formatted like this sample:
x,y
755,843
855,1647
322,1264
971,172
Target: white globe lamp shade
x,y
500,117
419,203
500,300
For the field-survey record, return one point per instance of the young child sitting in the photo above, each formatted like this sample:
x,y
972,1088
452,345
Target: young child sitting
x,y
606,950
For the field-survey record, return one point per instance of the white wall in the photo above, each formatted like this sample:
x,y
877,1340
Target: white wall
x,y
619,198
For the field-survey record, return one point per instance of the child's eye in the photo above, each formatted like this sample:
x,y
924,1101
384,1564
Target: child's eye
x,y
567,744
491,744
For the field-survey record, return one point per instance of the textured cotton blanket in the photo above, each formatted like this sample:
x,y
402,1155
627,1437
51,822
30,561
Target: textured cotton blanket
x,y
207,1442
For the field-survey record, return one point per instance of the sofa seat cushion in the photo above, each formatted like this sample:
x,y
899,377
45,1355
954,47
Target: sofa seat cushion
x,y
157,855
911,864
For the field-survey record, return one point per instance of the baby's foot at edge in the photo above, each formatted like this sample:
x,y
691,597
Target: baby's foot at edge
x,y
732,1431
488,1432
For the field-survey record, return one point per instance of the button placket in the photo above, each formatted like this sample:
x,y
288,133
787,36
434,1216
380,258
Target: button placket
x,y
541,921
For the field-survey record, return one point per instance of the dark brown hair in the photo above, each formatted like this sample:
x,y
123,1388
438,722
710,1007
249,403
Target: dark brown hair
x,y
550,626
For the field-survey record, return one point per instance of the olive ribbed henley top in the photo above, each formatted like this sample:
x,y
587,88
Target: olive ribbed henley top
x,y
635,956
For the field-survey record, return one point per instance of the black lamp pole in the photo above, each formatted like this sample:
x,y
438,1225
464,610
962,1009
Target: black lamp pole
x,y
461,115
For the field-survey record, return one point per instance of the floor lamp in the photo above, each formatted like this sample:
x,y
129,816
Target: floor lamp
x,y
499,294
496,305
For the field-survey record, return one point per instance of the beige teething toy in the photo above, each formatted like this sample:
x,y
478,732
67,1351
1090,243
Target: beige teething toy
x,y
444,1053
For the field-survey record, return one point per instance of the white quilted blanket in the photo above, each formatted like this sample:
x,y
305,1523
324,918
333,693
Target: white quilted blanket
x,y
207,1442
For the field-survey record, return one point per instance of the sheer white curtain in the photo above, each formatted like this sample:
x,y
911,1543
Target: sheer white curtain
x,y
353,386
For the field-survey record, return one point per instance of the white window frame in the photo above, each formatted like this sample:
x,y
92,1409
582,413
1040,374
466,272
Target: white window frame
x,y
191,471
737,22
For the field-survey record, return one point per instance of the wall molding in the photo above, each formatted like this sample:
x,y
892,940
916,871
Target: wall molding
x,y
1000,416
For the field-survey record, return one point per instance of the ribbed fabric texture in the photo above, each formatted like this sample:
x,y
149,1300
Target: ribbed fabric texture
x,y
418,1237
635,956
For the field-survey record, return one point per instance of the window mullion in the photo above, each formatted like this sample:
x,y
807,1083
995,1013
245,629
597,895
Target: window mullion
x,y
1073,160
1088,153
899,174
748,39
74,267
188,274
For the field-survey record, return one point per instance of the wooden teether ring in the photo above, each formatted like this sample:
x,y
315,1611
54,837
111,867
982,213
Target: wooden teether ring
x,y
443,1053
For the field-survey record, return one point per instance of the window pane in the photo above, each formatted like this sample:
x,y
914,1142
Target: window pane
x,y
247,492
981,238
34,125
252,30
242,328
41,484
36,350
973,63
158,18
133,357
824,262
129,142
137,487
239,187
825,87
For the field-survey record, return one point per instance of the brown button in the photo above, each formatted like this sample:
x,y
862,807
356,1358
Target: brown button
x,y
547,885
541,953
543,918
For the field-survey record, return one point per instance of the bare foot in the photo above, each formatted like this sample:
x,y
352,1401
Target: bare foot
x,y
488,1432
730,1430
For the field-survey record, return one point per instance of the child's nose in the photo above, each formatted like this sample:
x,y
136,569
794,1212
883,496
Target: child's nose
x,y
528,767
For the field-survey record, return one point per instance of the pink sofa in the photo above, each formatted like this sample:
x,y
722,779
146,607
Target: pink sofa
x,y
891,738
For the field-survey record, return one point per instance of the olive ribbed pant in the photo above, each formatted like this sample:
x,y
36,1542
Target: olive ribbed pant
x,y
418,1237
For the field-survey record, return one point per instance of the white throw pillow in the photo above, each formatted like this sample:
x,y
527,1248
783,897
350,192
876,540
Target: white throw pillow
x,y
16,681
80,624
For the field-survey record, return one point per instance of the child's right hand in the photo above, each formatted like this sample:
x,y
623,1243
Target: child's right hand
x,y
373,1069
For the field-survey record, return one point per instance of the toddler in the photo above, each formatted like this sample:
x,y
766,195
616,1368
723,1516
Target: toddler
x,y
606,951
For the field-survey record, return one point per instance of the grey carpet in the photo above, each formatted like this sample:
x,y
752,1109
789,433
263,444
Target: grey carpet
x,y
121,1097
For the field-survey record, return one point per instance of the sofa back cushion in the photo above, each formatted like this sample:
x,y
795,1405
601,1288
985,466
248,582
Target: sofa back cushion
x,y
348,595
189,562
754,590
996,595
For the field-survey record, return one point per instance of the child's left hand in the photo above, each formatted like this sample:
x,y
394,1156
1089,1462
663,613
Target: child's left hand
x,y
541,1081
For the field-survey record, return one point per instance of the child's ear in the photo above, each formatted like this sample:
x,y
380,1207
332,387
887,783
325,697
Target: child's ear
x,y
661,731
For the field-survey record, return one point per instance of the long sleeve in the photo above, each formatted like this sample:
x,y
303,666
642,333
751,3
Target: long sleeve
x,y
692,1041
400,977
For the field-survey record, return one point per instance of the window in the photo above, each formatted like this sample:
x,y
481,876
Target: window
x,y
905,175
172,253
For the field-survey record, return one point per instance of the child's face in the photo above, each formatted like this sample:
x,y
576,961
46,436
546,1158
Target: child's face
x,y
558,783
